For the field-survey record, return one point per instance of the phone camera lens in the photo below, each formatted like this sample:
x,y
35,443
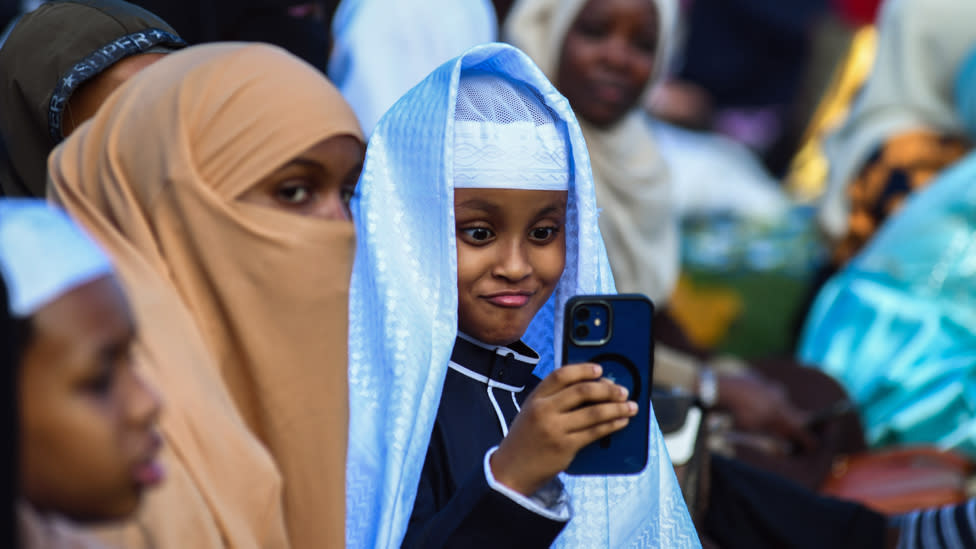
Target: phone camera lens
x,y
582,332
582,314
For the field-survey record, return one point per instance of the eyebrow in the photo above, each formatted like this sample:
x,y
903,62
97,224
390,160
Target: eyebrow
x,y
479,204
321,168
554,208
308,162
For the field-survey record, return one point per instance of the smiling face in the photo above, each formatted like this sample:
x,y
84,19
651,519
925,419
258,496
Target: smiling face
x,y
88,439
319,182
607,58
511,252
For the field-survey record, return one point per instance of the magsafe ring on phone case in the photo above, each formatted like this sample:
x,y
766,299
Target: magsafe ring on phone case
x,y
622,371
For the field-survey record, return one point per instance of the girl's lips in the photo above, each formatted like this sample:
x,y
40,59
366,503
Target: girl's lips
x,y
149,473
509,300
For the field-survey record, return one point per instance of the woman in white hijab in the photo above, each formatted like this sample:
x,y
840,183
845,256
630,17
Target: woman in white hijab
x,y
633,187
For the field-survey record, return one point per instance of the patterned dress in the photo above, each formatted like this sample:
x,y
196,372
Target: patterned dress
x,y
901,166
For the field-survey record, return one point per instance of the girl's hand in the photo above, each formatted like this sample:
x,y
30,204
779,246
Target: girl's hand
x,y
571,408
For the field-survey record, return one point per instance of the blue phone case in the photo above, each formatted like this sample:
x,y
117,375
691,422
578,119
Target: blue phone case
x,y
627,356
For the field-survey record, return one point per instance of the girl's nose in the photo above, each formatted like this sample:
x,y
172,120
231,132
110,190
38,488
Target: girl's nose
x,y
513,263
145,403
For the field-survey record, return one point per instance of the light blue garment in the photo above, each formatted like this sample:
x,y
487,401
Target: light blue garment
x,y
43,254
380,49
965,93
897,327
404,319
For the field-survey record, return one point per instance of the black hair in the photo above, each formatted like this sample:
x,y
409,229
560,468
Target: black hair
x,y
13,334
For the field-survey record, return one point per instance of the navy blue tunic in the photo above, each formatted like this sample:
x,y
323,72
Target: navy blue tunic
x,y
456,506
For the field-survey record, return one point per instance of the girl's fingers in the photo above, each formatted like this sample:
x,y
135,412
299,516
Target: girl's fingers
x,y
594,415
561,378
598,431
587,392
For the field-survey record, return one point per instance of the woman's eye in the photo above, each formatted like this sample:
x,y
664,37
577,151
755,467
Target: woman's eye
x,y
101,384
543,234
646,44
112,362
478,234
592,30
294,192
647,47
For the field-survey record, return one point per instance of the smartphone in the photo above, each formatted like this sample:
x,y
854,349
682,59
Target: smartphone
x,y
614,331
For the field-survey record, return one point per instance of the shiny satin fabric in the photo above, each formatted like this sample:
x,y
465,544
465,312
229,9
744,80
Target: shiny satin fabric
x,y
897,326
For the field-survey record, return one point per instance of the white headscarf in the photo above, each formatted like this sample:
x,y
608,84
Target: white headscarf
x,y
921,44
381,49
633,186
403,319
43,255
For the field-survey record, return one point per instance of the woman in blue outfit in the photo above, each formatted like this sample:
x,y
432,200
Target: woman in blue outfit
x,y
429,399
896,325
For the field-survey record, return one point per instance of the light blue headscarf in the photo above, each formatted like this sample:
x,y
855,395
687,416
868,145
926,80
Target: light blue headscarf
x,y
403,321
897,327
43,254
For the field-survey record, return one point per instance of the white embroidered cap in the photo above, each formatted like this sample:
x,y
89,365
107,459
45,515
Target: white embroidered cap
x,y
505,137
43,255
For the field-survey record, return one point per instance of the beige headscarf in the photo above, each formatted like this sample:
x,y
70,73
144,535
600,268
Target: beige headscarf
x,y
921,44
633,186
155,177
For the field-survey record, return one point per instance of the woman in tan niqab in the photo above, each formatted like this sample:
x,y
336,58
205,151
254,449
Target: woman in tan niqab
x,y
157,177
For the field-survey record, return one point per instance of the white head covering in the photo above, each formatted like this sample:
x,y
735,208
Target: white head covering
x,y
921,45
633,187
505,138
43,255
381,49
403,315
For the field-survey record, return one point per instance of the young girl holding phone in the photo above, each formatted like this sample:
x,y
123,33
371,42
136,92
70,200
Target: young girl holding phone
x,y
483,170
